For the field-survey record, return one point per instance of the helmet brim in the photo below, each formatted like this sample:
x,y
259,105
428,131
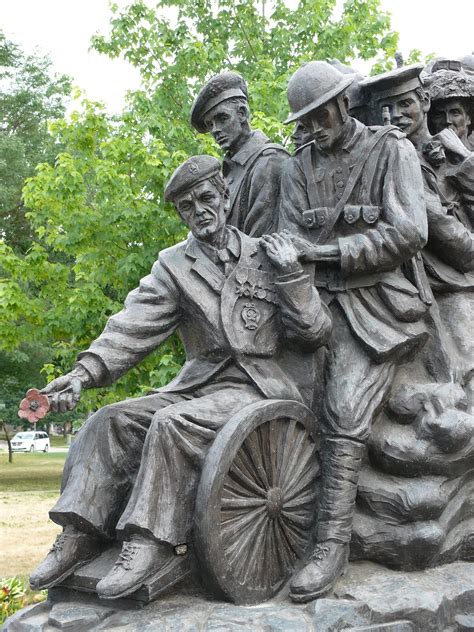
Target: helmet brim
x,y
341,86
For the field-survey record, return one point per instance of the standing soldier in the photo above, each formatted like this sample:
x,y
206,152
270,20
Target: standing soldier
x,y
353,199
252,165
449,189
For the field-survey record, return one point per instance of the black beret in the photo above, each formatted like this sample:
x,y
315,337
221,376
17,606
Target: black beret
x,y
219,88
186,176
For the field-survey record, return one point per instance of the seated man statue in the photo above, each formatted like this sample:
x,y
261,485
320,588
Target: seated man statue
x,y
133,469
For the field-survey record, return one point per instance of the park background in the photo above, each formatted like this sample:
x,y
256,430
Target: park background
x,y
88,139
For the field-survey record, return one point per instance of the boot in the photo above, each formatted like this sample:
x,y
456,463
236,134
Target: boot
x,y
342,461
142,558
71,550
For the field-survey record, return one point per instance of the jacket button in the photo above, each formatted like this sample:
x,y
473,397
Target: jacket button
x,y
340,184
350,217
371,218
339,170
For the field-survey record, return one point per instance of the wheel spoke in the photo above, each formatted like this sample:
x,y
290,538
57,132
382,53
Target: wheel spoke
x,y
286,441
241,553
236,523
240,475
307,480
301,520
302,462
299,501
252,447
294,460
297,539
241,503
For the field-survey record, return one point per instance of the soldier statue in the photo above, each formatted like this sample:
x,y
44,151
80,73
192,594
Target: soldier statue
x,y
252,165
449,254
133,469
353,201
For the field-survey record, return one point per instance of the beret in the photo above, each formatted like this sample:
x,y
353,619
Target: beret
x,y
218,89
187,175
394,82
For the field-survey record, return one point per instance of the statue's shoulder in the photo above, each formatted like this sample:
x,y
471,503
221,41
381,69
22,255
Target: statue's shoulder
x,y
391,131
172,256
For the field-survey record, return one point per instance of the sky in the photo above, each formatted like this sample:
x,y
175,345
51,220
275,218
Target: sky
x,y
63,28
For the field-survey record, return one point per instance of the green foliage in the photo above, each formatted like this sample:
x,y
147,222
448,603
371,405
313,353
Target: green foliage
x,y
12,593
30,96
98,211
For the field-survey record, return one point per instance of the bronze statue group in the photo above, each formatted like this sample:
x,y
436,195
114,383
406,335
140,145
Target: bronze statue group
x,y
358,245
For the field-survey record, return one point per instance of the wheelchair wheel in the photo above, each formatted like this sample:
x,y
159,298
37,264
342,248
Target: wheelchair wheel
x,y
257,499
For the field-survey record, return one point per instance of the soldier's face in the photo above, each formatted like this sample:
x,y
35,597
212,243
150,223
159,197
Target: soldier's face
x,y
325,124
450,114
203,210
226,123
300,135
406,111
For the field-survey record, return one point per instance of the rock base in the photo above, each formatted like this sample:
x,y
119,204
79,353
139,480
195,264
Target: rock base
x,y
368,598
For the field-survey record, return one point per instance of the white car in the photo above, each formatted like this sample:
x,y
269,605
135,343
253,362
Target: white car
x,y
30,442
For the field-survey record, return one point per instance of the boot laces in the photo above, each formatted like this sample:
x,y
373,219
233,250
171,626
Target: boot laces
x,y
129,550
321,551
58,543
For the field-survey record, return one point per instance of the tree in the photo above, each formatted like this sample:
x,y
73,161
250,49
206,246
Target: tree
x,y
99,213
30,96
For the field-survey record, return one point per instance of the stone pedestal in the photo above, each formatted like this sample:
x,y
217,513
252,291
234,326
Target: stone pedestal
x,y
368,598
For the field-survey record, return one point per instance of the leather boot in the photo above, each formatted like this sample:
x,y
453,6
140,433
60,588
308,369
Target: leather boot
x,y
140,559
71,550
342,461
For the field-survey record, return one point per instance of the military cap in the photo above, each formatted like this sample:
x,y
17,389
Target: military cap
x,y
219,88
394,82
186,176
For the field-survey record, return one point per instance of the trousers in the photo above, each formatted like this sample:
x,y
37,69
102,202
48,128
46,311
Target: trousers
x,y
135,465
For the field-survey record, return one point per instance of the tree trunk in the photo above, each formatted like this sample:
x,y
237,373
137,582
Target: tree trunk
x,y
10,452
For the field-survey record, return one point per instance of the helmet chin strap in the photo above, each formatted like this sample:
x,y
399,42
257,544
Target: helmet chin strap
x,y
342,107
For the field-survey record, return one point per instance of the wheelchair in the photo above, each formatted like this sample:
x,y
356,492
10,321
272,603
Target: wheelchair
x,y
257,501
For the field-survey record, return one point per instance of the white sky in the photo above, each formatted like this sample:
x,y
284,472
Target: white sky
x,y
63,29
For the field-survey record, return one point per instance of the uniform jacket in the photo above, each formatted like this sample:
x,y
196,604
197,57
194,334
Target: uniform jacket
x,y
240,320
449,253
382,226
253,175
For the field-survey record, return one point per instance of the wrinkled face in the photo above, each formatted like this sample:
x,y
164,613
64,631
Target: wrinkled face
x,y
226,122
325,124
452,114
406,111
203,210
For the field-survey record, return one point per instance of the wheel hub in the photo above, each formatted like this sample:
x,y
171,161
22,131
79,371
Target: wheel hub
x,y
274,502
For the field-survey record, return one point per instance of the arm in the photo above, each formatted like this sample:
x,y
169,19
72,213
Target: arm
x,y
303,315
151,314
263,193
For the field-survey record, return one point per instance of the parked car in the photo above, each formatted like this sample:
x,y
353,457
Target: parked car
x,y
30,442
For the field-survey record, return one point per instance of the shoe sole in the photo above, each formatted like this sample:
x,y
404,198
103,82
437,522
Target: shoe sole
x,y
130,591
64,576
303,598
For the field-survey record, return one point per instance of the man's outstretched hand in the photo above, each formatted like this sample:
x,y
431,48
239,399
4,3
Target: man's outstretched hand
x,y
64,392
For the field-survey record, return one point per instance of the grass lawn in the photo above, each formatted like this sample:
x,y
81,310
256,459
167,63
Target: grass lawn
x,y
31,472
28,489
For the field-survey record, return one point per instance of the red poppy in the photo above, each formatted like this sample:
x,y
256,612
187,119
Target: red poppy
x,y
34,407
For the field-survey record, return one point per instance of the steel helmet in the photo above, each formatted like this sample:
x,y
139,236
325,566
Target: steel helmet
x,y
312,85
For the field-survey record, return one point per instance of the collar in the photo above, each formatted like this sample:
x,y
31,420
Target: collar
x,y
252,144
195,247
